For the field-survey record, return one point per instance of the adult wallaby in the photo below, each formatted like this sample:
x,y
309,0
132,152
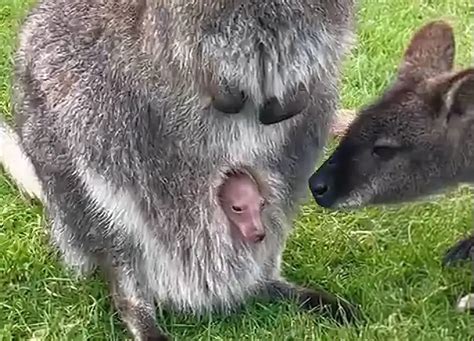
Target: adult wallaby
x,y
416,140
133,111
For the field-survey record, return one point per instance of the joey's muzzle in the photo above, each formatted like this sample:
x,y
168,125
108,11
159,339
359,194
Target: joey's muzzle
x,y
254,234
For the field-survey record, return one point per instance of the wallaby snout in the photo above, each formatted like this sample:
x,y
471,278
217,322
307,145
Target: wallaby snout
x,y
322,184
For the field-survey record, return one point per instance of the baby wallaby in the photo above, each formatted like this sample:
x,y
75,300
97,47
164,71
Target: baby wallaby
x,y
242,202
417,139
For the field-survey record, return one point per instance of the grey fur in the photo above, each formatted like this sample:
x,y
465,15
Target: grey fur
x,y
111,99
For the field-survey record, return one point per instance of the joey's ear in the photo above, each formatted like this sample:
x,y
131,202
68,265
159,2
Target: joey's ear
x,y
430,52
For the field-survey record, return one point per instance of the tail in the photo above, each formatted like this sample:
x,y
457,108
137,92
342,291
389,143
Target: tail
x,y
17,164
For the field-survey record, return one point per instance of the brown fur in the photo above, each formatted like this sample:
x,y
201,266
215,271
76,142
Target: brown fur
x,y
417,139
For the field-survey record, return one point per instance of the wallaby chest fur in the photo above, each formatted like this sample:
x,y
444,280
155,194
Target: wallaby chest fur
x,y
108,98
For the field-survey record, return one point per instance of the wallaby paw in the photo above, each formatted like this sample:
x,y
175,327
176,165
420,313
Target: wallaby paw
x,y
339,309
466,304
458,252
228,100
139,331
274,111
158,338
346,312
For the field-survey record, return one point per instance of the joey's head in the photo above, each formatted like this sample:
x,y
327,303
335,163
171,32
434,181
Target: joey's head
x,y
242,202
411,142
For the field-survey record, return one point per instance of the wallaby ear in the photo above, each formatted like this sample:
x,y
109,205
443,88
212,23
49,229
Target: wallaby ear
x,y
460,98
430,52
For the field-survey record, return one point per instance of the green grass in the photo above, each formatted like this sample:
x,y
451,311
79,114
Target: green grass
x,y
386,259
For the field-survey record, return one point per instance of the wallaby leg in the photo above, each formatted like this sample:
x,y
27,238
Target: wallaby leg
x,y
312,299
460,251
136,309
466,303
74,227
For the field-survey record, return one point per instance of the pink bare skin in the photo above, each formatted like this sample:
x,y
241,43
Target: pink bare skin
x,y
242,203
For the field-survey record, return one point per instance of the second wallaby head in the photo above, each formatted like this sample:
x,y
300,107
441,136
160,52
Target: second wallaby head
x,y
415,140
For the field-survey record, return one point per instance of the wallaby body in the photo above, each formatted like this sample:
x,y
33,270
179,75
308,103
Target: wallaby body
x,y
116,108
416,140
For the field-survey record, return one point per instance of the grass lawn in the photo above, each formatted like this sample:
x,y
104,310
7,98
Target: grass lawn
x,y
388,260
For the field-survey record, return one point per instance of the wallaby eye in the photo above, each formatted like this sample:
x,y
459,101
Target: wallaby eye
x,y
236,209
385,148
262,204
384,152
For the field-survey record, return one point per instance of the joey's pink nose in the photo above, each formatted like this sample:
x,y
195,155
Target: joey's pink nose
x,y
259,237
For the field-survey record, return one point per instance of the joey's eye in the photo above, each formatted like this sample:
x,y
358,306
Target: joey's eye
x,y
385,152
237,209
262,203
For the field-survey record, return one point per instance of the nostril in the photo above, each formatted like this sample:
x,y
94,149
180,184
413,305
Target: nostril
x,y
320,189
259,237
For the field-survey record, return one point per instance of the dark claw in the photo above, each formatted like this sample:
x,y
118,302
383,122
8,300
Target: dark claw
x,y
461,251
